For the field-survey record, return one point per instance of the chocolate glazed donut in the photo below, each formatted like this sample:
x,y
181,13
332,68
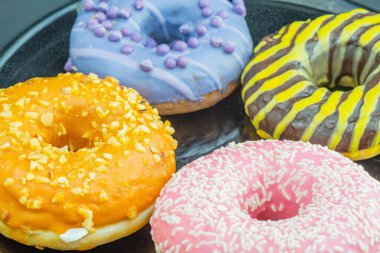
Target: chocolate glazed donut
x,y
319,81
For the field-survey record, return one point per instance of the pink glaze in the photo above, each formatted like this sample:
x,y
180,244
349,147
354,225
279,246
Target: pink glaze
x,y
269,196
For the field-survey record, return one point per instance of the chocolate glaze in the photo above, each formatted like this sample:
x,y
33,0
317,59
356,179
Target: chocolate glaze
x,y
281,109
254,88
334,36
297,127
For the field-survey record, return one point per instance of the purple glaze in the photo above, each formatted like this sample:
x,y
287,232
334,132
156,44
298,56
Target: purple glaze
x,y
127,49
229,47
180,45
102,6
146,65
125,31
206,12
107,24
193,42
113,12
203,3
185,29
139,5
92,23
136,37
162,49
100,31
170,63
115,36
100,16
239,8
88,5
216,22
150,43
216,41
223,14
194,31
182,61
201,30
125,12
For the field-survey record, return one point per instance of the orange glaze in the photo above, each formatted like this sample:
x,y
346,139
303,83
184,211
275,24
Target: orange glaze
x,y
79,151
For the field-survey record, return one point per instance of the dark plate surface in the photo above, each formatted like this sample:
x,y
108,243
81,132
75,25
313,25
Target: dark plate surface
x,y
44,50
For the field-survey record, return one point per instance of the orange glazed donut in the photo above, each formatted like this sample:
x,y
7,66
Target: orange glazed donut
x,y
82,161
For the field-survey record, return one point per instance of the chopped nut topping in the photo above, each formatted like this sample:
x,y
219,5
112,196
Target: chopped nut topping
x,y
58,198
9,181
139,147
47,119
103,196
6,114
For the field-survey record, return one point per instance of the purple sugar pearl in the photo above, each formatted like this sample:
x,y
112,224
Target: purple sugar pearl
x,y
201,30
162,49
180,45
113,12
182,61
239,8
193,42
146,65
136,37
100,31
223,14
125,13
125,31
206,12
68,66
170,63
107,24
100,16
229,47
185,29
139,5
216,22
102,6
88,5
92,23
115,36
216,41
150,43
127,49
203,3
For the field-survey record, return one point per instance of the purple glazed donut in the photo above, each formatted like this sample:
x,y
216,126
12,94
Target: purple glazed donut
x,y
181,55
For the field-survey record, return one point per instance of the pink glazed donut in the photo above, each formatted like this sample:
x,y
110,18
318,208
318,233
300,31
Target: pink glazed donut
x,y
269,196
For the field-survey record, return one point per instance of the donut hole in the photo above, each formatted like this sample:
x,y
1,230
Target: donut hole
x,y
342,70
71,131
281,201
176,21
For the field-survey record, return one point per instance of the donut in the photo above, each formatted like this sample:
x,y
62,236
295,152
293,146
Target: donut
x,y
319,81
82,161
182,56
269,196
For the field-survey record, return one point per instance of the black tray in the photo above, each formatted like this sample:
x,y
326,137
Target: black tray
x,y
43,50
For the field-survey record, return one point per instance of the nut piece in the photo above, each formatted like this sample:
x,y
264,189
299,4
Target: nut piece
x,y
47,119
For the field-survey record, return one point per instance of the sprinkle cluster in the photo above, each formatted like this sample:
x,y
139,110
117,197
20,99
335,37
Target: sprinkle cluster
x,y
269,196
105,16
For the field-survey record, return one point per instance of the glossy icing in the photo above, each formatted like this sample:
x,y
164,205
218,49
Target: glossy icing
x,y
78,151
269,196
319,81
168,51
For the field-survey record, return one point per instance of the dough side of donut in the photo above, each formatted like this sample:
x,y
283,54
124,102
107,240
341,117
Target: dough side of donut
x,y
186,106
101,235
